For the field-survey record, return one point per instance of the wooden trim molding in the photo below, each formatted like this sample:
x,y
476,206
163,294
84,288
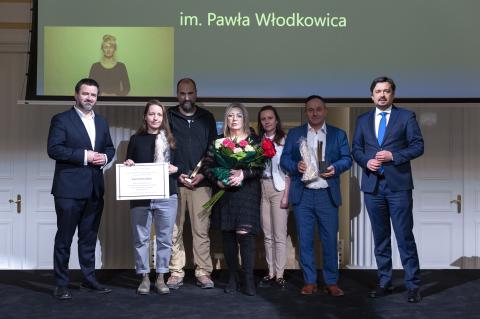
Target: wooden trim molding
x,y
15,1
15,25
13,47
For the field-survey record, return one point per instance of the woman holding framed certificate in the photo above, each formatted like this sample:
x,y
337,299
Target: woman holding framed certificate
x,y
153,143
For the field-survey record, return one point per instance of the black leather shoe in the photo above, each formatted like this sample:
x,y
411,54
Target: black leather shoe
x,y
95,286
231,287
62,293
282,283
381,292
413,295
266,281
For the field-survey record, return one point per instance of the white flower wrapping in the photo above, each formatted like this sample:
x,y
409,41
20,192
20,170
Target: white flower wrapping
x,y
249,148
310,160
218,143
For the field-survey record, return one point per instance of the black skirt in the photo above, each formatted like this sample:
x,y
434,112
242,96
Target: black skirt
x,y
239,208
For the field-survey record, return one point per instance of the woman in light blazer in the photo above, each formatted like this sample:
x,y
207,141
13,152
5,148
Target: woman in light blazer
x,y
274,203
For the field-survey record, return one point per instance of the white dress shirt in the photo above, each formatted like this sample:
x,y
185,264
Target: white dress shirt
x,y
88,121
378,117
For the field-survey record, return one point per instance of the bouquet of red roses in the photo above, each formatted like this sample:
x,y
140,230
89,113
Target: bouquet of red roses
x,y
232,154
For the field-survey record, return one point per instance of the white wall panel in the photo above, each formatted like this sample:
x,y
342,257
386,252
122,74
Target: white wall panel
x,y
6,247
434,244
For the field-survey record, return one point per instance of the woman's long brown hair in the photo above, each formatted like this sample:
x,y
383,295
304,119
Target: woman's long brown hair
x,y
165,125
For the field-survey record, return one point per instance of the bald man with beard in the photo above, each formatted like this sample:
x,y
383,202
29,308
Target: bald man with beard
x,y
194,130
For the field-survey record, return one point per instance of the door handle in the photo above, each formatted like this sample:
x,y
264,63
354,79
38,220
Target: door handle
x,y
458,201
18,202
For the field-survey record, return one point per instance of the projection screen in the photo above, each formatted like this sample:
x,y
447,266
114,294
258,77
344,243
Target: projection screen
x,y
247,50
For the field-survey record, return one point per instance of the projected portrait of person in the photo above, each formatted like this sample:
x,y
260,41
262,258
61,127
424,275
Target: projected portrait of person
x,y
111,74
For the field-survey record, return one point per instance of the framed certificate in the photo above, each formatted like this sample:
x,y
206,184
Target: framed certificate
x,y
142,181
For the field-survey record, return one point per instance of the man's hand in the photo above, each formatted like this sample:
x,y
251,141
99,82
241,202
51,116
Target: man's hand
x,y
374,165
197,179
90,156
95,158
284,202
302,166
384,156
186,183
99,159
329,173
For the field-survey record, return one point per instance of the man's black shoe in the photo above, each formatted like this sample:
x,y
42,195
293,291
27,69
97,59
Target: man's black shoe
x,y
381,292
95,286
266,281
62,293
413,295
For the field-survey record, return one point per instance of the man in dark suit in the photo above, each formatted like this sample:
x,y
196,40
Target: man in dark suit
x,y
80,143
386,139
316,202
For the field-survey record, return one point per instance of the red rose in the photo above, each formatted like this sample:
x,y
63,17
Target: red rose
x,y
268,148
228,143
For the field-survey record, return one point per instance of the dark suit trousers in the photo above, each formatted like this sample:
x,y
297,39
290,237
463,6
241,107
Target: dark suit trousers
x,y
316,208
84,214
384,205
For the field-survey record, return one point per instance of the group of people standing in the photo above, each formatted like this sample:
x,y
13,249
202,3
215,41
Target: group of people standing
x,y
255,198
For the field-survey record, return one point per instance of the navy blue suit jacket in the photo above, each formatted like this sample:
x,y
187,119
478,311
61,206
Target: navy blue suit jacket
x,y
67,141
403,139
337,152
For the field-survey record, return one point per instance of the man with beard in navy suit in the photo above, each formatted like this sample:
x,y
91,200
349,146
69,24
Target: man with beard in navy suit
x,y
79,141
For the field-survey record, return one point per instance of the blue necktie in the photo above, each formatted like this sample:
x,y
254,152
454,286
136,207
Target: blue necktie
x,y
381,133
382,127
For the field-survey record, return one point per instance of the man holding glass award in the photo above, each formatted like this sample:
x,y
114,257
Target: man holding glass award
x,y
315,154
194,130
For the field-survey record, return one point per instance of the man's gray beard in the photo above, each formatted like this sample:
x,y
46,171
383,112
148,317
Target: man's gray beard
x,y
86,106
187,106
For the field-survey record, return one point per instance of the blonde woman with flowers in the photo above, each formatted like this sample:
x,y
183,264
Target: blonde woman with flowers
x,y
235,163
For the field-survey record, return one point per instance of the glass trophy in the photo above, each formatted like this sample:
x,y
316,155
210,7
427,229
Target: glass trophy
x,y
322,164
194,173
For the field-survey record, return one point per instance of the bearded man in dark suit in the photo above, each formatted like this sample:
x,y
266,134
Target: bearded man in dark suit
x,y
386,139
79,141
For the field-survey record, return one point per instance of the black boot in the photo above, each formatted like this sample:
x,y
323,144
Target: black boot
x,y
232,285
247,252
230,252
